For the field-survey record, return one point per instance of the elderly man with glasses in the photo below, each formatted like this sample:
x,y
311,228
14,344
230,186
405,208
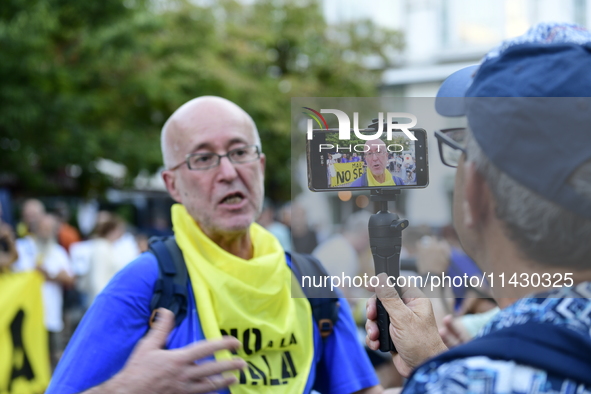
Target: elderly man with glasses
x,y
524,219
239,285
376,174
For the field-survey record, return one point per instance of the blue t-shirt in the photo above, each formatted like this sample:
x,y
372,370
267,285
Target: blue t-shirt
x,y
119,317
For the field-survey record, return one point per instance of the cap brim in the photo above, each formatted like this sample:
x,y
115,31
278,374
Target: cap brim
x,y
450,96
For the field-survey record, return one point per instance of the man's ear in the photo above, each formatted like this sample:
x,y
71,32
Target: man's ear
x,y
263,162
169,178
477,197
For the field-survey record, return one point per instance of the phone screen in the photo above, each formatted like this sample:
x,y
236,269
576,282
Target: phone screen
x,y
379,163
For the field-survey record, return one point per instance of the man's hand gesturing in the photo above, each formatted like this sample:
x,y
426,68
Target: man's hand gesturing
x,y
152,369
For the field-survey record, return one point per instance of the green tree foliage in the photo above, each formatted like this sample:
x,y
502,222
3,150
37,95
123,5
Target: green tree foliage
x,y
81,80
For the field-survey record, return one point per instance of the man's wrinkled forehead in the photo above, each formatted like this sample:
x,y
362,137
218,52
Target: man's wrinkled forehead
x,y
207,124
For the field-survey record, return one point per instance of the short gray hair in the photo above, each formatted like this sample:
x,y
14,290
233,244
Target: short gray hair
x,y
543,230
167,155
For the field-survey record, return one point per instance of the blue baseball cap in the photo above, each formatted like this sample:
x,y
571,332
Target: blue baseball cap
x,y
529,109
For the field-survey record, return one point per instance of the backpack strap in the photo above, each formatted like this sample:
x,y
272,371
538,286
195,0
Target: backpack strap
x,y
170,290
324,301
558,350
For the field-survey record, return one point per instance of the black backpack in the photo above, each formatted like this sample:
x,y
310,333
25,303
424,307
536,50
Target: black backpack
x,y
171,292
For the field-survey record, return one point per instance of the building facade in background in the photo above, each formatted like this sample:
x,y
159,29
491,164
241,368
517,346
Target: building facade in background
x,y
442,36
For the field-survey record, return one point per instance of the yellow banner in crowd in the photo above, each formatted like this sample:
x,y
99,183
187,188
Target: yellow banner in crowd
x,y
24,355
346,173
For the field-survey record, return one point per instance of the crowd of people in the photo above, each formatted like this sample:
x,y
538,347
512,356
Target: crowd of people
x,y
241,312
75,270
78,267
289,224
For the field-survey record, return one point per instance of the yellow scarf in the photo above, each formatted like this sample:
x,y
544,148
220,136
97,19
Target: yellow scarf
x,y
251,300
371,181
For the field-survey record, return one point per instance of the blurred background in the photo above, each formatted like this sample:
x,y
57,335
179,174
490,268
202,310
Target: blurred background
x,y
85,87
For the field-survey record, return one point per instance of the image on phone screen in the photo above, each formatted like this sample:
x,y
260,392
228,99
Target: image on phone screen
x,y
377,163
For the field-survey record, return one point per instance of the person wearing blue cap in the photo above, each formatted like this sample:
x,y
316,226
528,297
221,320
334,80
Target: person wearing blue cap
x,y
524,219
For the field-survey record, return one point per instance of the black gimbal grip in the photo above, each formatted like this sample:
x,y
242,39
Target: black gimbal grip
x,y
386,344
385,238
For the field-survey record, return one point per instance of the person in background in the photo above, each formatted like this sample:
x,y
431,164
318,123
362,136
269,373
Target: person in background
x,y
456,330
411,177
143,242
304,238
8,252
340,254
330,170
160,226
67,234
97,259
40,251
32,211
104,262
278,229
125,247
346,253
460,311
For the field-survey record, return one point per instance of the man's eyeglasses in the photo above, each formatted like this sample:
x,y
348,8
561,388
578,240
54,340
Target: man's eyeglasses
x,y
205,161
452,144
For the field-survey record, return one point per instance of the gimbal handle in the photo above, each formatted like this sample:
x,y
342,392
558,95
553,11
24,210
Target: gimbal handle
x,y
385,239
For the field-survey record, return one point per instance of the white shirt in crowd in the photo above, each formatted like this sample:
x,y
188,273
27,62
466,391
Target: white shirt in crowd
x,y
97,260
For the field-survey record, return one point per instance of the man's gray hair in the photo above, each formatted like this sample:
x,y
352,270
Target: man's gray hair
x,y
167,154
544,231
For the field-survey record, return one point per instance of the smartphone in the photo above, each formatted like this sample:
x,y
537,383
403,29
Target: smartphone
x,y
359,164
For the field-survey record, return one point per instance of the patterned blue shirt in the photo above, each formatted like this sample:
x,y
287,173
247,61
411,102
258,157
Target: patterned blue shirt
x,y
567,307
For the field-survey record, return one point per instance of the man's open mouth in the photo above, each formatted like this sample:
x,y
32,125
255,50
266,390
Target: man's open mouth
x,y
234,198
